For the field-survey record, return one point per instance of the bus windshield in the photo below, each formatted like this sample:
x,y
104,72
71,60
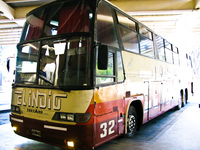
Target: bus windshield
x,y
57,19
61,62
54,49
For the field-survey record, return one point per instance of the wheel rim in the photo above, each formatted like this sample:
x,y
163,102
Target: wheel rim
x,y
131,123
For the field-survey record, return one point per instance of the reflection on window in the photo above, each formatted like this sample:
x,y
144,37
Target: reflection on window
x,y
146,47
123,20
168,45
106,76
175,49
160,48
26,66
68,17
105,27
47,63
168,51
130,40
33,26
65,62
144,31
169,57
62,62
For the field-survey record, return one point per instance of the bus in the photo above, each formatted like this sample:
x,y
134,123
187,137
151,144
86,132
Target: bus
x,y
87,72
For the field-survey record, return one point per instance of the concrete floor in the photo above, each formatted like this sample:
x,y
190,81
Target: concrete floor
x,y
174,130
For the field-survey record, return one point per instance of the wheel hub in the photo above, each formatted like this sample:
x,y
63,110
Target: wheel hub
x,y
131,123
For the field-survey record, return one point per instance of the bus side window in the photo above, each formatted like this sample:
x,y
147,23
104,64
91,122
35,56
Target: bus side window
x,y
160,48
120,71
105,27
107,75
146,42
168,51
128,33
175,55
130,40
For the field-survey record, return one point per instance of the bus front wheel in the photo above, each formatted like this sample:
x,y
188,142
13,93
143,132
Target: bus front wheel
x,y
131,122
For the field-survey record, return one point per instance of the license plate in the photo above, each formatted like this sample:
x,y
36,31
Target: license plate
x,y
36,133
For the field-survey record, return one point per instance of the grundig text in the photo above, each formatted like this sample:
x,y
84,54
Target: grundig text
x,y
40,99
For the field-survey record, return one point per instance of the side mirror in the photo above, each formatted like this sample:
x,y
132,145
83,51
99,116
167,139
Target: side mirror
x,y
102,57
8,65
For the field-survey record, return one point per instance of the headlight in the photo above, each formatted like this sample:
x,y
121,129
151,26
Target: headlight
x,y
67,117
63,116
70,117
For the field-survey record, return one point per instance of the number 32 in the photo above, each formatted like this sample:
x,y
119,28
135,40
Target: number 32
x,y
106,131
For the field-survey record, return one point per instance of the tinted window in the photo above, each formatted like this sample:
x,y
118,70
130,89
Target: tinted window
x,y
130,40
62,18
126,21
105,27
144,31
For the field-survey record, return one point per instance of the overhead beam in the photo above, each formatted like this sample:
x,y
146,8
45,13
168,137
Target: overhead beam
x,y
18,1
197,4
9,25
154,5
6,10
157,18
21,12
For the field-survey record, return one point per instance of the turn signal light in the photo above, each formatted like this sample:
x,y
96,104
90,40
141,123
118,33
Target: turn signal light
x,y
15,109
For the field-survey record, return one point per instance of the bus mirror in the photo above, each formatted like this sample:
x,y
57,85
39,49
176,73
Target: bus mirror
x,y
8,65
102,57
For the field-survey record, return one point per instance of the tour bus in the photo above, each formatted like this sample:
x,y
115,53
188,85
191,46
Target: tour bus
x,y
87,72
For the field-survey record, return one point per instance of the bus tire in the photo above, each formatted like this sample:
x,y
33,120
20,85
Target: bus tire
x,y
182,98
186,96
132,122
178,107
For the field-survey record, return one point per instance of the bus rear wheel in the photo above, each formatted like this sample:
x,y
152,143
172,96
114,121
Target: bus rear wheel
x,y
182,98
131,122
178,107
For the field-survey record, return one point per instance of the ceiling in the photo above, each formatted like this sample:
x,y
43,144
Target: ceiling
x,y
176,20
